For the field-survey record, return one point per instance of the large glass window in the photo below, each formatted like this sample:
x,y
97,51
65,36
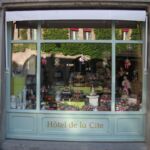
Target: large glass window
x,y
23,76
128,77
50,71
76,77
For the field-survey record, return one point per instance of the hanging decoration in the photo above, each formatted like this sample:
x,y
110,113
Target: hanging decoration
x,y
127,64
57,61
44,61
126,85
82,59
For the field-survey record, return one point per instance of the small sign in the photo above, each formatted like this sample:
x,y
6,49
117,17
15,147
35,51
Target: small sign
x,y
74,124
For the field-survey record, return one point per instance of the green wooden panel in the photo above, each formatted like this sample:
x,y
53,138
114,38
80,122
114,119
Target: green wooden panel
x,y
76,127
19,123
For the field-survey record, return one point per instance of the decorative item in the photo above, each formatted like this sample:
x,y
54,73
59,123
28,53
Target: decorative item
x,y
127,64
126,85
93,100
13,103
92,92
57,61
43,104
19,102
24,98
82,59
105,62
132,101
44,61
58,96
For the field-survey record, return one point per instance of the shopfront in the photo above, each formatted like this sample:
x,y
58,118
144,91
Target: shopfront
x,y
76,77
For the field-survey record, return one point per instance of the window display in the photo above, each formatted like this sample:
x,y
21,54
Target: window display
x,y
23,76
78,82
97,74
128,77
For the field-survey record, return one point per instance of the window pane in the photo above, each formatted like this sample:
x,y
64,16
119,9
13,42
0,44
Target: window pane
x,y
76,33
55,33
128,77
127,30
76,77
103,33
24,31
23,76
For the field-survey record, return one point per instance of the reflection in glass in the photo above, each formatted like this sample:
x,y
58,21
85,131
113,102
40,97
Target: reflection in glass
x,y
23,76
55,33
103,33
76,77
24,31
127,30
87,33
128,77
76,33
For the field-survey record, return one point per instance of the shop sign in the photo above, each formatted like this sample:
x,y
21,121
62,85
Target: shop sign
x,y
75,124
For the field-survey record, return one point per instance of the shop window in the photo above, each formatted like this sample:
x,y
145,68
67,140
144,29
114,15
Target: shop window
x,y
128,77
23,76
76,78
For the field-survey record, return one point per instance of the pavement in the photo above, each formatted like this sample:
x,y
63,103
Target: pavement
x,y
55,145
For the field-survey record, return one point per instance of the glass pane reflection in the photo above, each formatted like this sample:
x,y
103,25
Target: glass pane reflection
x,y
76,33
76,77
23,76
128,30
128,77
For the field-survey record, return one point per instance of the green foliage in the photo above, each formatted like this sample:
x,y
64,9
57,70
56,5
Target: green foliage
x,y
55,34
22,47
23,33
136,34
93,50
128,48
102,33
118,34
